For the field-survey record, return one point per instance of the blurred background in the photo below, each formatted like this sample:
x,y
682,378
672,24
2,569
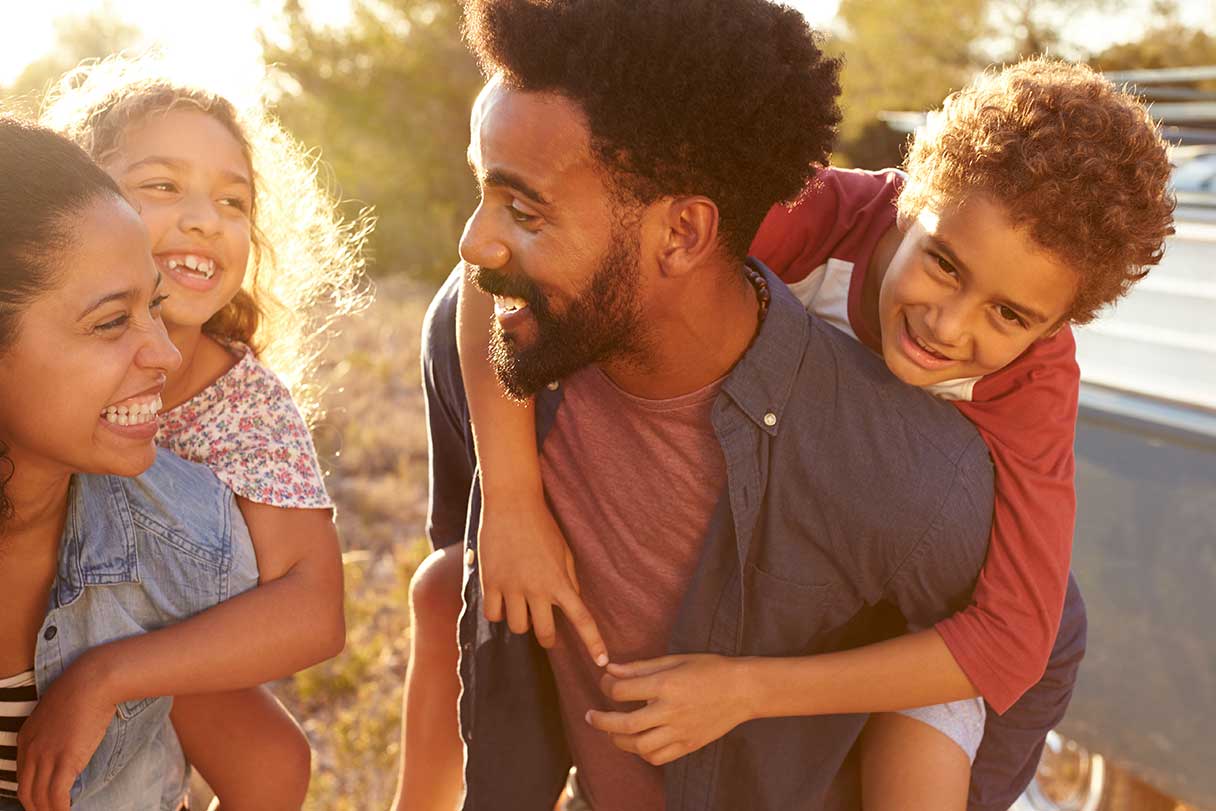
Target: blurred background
x,y
381,90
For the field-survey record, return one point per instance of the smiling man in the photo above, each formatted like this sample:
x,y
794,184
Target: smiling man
x,y
740,484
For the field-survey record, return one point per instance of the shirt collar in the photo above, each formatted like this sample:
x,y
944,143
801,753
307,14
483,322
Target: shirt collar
x,y
761,382
98,544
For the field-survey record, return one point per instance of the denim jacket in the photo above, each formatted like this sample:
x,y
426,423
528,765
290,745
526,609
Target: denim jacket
x,y
853,503
138,554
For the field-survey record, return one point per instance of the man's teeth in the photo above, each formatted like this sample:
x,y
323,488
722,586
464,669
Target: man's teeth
x,y
197,264
510,303
133,413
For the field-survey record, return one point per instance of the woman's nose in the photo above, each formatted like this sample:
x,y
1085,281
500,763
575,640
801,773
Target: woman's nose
x,y
158,351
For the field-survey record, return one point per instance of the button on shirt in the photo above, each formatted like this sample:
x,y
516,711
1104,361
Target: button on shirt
x,y
852,503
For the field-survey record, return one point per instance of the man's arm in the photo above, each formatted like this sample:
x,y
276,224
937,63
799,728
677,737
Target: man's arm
x,y
452,461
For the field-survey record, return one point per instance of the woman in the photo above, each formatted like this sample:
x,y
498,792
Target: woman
x,y
83,360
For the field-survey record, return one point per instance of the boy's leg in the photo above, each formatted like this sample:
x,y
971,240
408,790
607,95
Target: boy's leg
x,y
920,759
248,748
432,754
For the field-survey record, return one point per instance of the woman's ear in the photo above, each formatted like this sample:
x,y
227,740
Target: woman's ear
x,y
690,234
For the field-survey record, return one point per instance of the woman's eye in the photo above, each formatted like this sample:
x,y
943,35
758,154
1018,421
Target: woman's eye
x,y
154,307
113,323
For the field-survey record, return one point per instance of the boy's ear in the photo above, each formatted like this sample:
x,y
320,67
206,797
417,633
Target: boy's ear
x,y
1051,333
690,234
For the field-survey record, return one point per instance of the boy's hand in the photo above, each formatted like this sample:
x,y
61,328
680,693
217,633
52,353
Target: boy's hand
x,y
59,737
527,568
691,700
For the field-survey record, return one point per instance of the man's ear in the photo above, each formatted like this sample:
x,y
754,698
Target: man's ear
x,y
690,227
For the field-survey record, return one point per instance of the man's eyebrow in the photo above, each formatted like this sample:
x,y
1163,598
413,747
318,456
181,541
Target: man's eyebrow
x,y
944,248
181,166
510,180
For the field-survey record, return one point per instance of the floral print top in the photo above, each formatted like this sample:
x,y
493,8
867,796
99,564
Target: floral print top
x,y
247,429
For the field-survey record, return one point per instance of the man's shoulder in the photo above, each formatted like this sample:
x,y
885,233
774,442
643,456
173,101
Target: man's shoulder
x,y
854,384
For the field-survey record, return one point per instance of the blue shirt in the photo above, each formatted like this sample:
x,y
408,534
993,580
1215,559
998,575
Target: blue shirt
x,y
138,554
854,505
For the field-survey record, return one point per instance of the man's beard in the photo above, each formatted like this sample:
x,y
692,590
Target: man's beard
x,y
602,324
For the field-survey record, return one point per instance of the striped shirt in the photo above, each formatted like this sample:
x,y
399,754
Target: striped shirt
x,y
18,695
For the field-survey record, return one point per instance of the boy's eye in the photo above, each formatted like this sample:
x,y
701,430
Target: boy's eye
x,y
1010,315
944,265
159,185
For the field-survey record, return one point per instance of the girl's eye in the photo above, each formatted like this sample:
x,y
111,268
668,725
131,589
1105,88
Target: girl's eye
x,y
237,203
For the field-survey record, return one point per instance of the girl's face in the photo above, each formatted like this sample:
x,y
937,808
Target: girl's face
x,y
966,293
190,181
83,376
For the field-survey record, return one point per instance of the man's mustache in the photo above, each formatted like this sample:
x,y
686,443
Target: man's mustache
x,y
497,283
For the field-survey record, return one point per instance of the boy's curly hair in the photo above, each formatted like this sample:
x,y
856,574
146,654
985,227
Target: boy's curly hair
x,y
306,261
734,101
1076,162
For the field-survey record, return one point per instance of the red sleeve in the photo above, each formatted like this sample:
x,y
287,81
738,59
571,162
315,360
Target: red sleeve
x,y
1027,414
837,216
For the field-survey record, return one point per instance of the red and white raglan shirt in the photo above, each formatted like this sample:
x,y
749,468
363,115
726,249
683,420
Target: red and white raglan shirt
x,y
1025,412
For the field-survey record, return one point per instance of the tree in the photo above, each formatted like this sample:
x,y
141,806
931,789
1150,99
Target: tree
x,y
388,100
76,38
901,57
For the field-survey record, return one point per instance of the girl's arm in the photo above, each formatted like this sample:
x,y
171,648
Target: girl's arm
x,y
526,567
293,619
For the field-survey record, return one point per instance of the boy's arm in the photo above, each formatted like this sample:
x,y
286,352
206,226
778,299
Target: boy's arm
x,y
1026,414
526,567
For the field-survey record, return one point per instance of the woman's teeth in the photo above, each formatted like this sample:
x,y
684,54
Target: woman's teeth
x,y
133,413
195,264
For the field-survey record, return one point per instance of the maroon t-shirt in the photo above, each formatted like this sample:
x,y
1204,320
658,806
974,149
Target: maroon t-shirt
x,y
636,540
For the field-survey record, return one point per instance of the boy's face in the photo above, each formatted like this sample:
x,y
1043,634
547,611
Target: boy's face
x,y
966,293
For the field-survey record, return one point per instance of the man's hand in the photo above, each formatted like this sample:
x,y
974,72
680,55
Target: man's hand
x,y
691,700
60,736
527,568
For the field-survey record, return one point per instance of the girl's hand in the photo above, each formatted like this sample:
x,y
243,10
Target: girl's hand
x,y
691,700
60,736
527,568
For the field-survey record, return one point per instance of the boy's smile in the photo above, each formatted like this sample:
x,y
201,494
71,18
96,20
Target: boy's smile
x,y
967,292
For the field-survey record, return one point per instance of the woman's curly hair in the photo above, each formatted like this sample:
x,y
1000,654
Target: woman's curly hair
x,y
306,261
1076,162
734,101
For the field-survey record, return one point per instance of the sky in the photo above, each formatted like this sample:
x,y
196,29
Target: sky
x,y
223,30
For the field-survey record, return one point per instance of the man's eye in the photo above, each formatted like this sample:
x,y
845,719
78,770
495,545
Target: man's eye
x,y
521,217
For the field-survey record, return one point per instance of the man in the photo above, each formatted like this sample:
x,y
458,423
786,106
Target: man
x,y
735,478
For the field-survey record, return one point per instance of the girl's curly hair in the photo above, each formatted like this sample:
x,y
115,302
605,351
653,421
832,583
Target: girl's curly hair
x,y
306,261
1075,161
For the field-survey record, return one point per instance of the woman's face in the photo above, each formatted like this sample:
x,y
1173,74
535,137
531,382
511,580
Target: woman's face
x,y
192,185
83,376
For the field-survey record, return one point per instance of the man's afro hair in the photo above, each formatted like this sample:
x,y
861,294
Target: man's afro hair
x,y
730,99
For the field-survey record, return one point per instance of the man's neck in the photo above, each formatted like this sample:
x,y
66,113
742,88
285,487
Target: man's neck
x,y
698,332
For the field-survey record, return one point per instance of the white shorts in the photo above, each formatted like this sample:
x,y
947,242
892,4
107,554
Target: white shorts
x,y
960,721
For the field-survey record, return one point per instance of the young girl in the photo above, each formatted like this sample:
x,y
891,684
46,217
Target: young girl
x,y
1042,160
256,263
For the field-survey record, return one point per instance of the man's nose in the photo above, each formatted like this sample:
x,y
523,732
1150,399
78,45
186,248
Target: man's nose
x,y
480,244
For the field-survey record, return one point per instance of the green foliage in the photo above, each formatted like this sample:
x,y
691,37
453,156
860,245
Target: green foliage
x,y
388,99
92,36
1168,43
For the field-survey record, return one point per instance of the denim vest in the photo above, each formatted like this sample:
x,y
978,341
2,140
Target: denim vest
x,y
136,555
